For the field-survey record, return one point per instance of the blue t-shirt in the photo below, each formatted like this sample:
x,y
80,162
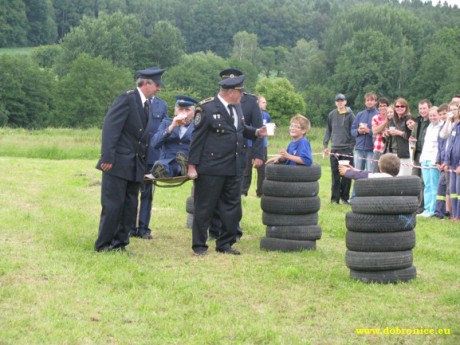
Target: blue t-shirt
x,y
300,149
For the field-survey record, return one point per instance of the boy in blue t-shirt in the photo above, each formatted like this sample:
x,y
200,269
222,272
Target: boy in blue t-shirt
x,y
298,151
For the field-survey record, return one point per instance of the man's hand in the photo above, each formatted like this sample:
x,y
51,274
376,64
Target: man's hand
x,y
261,132
106,166
191,172
257,162
326,152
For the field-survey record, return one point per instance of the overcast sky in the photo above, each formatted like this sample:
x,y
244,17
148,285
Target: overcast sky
x,y
450,2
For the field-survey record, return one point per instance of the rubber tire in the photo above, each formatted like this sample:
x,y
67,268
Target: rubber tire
x,y
385,277
290,189
378,261
293,173
389,186
282,205
189,206
189,220
294,232
380,242
380,222
282,219
384,204
286,245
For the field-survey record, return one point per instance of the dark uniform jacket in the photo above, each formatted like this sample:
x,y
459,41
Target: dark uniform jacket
x,y
171,143
158,112
253,118
125,138
217,146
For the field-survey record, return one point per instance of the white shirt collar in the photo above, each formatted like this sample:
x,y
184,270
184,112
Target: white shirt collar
x,y
143,98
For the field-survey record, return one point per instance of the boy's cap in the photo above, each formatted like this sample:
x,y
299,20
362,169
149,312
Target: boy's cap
x,y
340,96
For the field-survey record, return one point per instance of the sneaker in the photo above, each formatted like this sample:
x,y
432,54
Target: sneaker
x,y
159,170
425,214
181,159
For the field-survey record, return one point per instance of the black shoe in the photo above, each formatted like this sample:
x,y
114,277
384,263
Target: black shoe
x,y
159,170
181,159
200,252
334,202
146,237
228,251
345,202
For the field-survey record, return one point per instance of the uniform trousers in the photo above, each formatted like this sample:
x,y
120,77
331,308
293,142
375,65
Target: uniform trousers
x,y
118,215
145,207
213,191
455,194
440,211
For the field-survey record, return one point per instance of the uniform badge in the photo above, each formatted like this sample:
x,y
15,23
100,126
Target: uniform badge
x,y
197,119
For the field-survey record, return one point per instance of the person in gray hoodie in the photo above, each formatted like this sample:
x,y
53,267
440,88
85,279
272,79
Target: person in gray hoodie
x,y
338,131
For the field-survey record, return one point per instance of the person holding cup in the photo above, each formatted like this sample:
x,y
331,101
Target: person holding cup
x,y
362,131
397,136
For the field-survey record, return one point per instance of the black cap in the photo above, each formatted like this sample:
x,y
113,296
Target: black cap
x,y
185,101
230,73
153,73
340,96
232,83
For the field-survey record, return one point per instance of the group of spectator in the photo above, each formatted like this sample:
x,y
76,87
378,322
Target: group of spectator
x,y
427,145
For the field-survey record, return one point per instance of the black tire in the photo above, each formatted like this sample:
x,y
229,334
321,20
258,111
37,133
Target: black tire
x,y
286,245
283,219
380,242
391,186
384,204
290,189
378,261
282,205
380,222
385,277
294,232
189,206
293,173
189,220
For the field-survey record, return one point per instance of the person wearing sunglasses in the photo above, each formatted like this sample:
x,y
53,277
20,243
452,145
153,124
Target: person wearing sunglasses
x,y
397,136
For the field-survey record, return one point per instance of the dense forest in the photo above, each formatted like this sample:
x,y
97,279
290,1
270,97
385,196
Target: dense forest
x,y
297,53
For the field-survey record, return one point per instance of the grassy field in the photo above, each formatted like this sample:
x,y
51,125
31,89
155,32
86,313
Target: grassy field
x,y
56,290
16,51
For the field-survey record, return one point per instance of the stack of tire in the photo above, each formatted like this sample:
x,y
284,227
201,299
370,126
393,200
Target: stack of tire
x,y
290,205
189,208
380,229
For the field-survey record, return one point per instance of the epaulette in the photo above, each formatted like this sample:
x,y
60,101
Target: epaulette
x,y
130,92
249,94
207,100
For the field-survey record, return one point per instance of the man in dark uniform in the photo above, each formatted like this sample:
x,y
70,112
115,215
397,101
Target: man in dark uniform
x,y
125,137
215,161
173,138
252,117
158,112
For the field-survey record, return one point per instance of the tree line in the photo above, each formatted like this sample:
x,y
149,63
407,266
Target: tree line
x,y
298,53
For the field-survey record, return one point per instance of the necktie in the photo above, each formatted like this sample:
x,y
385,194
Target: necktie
x,y
232,114
147,109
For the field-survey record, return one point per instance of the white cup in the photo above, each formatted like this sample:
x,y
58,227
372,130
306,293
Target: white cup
x,y
270,128
363,125
344,162
392,128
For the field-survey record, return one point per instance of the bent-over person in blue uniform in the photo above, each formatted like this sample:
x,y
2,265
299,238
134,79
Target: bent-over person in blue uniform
x,y
298,151
173,138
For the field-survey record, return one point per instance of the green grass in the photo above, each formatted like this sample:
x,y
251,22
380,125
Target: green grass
x,y
56,290
16,51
